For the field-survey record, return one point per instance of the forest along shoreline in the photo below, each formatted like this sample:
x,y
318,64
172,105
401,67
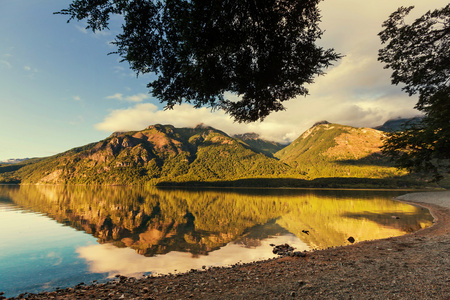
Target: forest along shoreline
x,y
414,266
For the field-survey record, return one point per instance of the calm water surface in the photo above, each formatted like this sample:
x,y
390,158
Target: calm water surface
x,y
59,236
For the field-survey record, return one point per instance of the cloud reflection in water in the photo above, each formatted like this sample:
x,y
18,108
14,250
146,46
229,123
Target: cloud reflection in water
x,y
106,258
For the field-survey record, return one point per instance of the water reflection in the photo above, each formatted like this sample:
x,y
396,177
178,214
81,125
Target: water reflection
x,y
37,253
105,258
158,221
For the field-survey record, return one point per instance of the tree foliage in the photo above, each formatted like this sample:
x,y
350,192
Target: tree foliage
x,y
264,52
419,55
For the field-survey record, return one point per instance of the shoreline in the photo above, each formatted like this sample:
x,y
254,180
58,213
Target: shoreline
x,y
414,266
209,187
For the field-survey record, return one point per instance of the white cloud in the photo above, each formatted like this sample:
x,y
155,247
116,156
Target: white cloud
x,y
30,69
76,98
106,258
6,63
81,29
143,114
136,98
116,96
283,126
118,69
102,33
133,98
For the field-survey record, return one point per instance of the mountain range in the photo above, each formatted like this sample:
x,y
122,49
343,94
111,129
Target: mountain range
x,y
163,154
13,161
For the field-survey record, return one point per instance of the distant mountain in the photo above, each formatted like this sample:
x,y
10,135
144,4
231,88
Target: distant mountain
x,y
325,155
13,161
396,124
157,153
333,150
254,140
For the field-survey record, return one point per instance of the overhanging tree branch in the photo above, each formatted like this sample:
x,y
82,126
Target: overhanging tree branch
x,y
419,55
262,51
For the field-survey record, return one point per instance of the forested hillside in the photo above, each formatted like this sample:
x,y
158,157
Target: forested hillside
x,y
333,150
326,155
151,155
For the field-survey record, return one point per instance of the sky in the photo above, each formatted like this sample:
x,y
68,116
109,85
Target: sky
x,y
59,88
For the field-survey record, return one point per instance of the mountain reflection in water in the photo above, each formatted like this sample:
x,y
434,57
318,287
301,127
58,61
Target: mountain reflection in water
x,y
105,258
157,221
148,230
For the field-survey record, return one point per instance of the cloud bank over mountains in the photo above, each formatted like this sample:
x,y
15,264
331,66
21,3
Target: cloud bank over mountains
x,y
356,91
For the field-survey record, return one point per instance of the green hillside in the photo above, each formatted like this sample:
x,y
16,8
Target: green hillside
x,y
332,150
327,155
158,153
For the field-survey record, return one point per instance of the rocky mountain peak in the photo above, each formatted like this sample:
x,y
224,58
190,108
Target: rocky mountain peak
x,y
202,126
247,136
320,123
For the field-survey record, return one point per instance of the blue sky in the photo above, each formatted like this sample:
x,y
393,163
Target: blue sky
x,y
59,89
55,80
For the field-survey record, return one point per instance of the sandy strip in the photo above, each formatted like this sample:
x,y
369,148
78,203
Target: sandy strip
x,y
436,198
413,266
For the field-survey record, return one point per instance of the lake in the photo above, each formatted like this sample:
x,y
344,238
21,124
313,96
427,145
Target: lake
x,y
58,236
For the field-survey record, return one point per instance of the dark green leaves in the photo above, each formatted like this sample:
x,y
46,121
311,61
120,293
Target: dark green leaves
x,y
262,51
419,55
